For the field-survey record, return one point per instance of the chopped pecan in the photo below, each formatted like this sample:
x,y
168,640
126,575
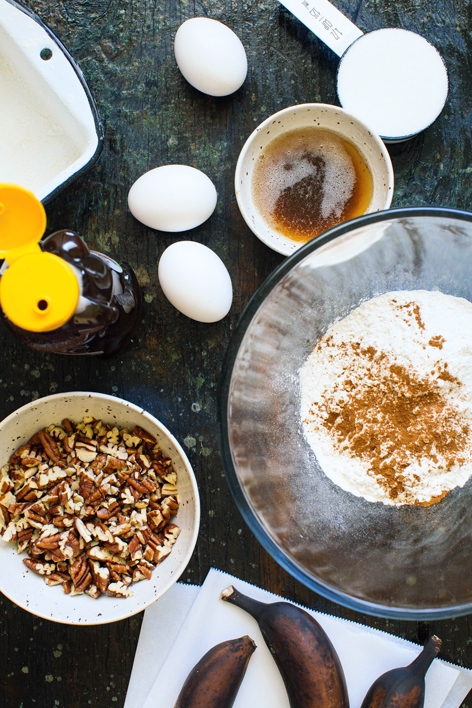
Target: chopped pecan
x,y
86,486
118,547
100,575
67,446
117,568
171,534
82,529
27,492
39,566
135,549
71,545
168,490
93,591
143,461
144,535
91,504
113,464
144,435
49,445
35,513
89,443
145,570
19,508
98,495
16,456
80,573
149,484
54,579
158,468
171,505
33,551
96,553
6,485
136,484
155,519
5,517
29,462
119,589
108,513
99,462
48,542
54,554
23,538
67,425
86,452
160,553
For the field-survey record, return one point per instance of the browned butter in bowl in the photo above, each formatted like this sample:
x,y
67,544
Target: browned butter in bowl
x,y
308,180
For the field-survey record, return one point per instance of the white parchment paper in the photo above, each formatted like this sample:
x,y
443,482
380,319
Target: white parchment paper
x,y
187,621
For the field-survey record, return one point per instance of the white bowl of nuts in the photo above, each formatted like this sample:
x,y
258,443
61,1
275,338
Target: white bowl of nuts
x,y
96,495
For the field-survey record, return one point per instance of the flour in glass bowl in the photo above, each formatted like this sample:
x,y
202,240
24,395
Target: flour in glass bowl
x,y
386,398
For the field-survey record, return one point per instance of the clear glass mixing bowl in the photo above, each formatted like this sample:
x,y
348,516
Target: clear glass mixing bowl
x,y
403,562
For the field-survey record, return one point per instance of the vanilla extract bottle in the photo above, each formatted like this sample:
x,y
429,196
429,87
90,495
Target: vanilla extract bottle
x,y
59,296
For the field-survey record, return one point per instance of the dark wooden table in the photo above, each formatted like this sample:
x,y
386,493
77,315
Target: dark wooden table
x,y
153,117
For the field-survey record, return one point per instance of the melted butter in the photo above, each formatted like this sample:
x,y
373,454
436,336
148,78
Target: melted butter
x,y
309,180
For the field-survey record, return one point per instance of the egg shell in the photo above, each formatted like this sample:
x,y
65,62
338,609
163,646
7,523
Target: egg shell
x,y
195,280
172,198
210,56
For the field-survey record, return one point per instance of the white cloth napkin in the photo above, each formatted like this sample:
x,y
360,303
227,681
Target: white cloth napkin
x,y
187,621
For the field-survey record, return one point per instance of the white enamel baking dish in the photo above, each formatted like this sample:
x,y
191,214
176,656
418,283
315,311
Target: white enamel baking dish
x,y
49,124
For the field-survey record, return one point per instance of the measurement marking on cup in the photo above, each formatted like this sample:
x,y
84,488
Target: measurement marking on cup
x,y
336,33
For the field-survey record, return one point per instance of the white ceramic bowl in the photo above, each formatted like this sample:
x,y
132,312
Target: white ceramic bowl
x,y
27,589
305,115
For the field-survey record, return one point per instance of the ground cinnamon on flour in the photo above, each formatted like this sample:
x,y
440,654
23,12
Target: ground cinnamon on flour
x,y
393,417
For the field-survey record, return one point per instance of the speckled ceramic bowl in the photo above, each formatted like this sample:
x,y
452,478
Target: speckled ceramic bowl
x,y
324,116
25,587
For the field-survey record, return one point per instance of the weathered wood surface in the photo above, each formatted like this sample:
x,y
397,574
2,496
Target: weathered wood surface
x,y
153,117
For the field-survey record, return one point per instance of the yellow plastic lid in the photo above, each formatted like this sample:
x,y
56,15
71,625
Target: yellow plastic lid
x,y
22,220
39,291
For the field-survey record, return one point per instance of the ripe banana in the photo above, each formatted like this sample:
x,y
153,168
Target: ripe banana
x,y
403,687
305,657
215,680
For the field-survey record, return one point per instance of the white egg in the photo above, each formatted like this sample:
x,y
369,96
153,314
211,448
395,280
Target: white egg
x,y
172,198
195,280
210,56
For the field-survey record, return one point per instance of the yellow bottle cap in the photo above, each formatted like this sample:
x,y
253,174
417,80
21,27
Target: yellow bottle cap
x,y
22,220
39,291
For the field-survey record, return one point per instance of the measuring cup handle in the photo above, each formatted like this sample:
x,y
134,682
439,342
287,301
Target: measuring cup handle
x,y
326,21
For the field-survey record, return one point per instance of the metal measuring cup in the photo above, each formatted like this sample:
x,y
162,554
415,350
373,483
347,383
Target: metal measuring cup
x,y
393,80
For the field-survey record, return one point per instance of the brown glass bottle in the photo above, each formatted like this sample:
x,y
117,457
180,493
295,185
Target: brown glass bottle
x,y
108,310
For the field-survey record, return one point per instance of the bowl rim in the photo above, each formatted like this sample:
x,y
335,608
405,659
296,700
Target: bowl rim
x,y
249,516
128,610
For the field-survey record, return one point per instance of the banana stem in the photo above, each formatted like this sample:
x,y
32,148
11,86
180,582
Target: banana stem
x,y
253,607
430,651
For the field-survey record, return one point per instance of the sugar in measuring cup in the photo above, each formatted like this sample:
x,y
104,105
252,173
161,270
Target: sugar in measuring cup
x,y
392,79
